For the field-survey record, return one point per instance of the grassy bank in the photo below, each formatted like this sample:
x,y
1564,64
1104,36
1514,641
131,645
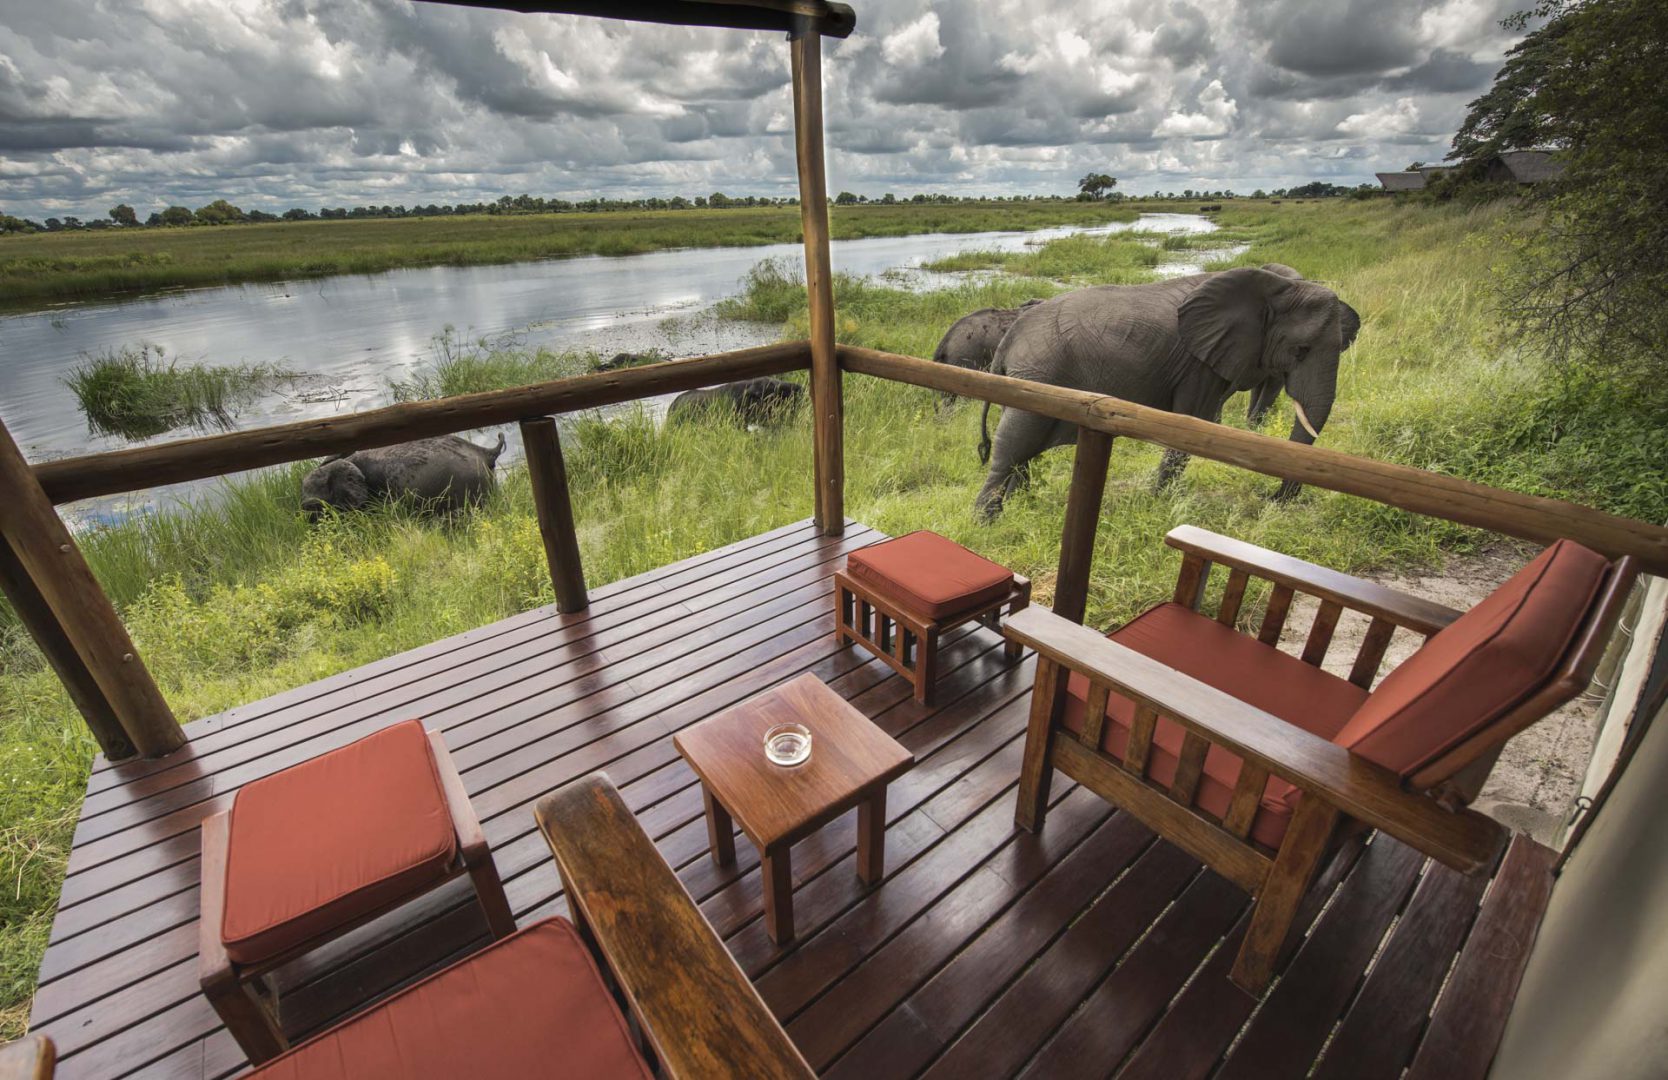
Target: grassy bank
x,y
43,267
242,601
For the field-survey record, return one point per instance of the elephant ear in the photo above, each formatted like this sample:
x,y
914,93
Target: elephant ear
x,y
1223,321
1351,324
348,487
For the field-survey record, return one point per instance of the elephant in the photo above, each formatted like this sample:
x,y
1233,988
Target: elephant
x,y
445,473
1182,345
972,339
751,401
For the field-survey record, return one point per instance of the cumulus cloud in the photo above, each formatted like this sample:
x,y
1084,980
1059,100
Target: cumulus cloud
x,y
278,103
1212,120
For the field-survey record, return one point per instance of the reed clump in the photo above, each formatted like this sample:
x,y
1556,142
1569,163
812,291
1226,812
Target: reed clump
x,y
138,393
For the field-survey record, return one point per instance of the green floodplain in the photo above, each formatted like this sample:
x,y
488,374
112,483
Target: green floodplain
x,y
240,598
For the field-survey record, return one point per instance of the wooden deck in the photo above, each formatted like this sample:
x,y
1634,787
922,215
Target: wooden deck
x,y
1089,950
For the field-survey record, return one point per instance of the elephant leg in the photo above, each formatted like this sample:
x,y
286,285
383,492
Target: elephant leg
x,y
1202,400
1169,467
1020,437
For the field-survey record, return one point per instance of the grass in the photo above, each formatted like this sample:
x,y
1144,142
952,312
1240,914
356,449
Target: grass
x,y
43,267
469,367
138,393
232,603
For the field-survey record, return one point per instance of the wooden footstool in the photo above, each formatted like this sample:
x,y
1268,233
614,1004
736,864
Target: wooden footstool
x,y
310,853
851,763
899,596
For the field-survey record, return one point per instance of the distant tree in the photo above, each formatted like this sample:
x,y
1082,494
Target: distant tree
x,y
177,215
297,214
10,224
72,222
1259,194
845,198
122,214
219,212
718,201
1095,185
888,199
53,224
1590,283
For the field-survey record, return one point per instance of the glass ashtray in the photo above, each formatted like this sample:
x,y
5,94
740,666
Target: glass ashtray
x,y
788,744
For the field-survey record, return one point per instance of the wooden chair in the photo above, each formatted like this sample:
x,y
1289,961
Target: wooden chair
x,y
321,849
538,1003
898,597
30,1058
1258,762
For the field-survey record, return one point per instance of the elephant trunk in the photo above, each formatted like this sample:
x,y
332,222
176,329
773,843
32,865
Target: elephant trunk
x,y
1312,388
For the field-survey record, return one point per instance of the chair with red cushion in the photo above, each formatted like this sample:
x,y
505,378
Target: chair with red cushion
x,y
1258,762
899,596
539,1003
307,854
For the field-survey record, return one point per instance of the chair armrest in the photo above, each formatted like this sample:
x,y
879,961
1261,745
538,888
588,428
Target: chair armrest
x,y
1464,840
693,1002
1357,594
30,1058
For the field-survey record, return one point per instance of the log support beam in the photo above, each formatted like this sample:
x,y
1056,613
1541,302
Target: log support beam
x,y
1077,535
549,476
67,612
827,408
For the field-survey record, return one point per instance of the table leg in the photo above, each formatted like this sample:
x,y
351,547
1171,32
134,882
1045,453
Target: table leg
x,y
777,868
721,832
871,837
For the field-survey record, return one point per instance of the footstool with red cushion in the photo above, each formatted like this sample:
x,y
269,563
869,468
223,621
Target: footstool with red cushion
x,y
899,596
534,1004
309,853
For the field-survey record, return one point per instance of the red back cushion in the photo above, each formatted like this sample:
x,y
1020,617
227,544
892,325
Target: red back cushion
x,y
1479,667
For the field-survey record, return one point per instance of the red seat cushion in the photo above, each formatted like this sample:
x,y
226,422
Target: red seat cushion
x,y
530,1005
1481,665
1236,664
334,838
930,576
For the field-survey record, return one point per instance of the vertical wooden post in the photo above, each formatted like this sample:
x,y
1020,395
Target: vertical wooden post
x,y
826,405
38,619
69,596
549,475
1077,535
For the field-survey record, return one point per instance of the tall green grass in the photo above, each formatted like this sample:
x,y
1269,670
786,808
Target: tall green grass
x,y
241,600
45,266
137,392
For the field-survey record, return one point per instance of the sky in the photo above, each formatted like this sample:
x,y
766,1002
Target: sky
x,y
281,103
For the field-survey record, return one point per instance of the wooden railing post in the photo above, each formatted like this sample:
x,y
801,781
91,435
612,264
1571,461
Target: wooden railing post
x,y
826,405
1077,535
49,635
549,475
72,615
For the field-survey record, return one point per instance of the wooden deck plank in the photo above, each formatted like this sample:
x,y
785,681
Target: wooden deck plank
x,y
984,952
1470,1016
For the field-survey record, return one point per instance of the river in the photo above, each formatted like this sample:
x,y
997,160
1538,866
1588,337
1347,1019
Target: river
x,y
354,334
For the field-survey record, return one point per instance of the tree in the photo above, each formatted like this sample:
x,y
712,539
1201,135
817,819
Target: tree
x,y
845,198
1589,283
177,215
122,214
1095,185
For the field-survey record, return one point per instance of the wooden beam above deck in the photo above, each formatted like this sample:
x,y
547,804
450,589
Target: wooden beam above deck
x,y
828,19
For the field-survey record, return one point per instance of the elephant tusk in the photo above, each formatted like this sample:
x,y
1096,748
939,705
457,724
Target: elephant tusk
x,y
1303,418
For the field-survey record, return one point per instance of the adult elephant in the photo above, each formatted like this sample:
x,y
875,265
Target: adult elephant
x,y
445,473
750,401
1182,345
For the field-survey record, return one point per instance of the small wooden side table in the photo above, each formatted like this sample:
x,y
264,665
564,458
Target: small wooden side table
x,y
851,763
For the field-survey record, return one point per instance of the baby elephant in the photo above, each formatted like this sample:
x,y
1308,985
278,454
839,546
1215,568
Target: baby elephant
x,y
972,339
751,401
447,474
